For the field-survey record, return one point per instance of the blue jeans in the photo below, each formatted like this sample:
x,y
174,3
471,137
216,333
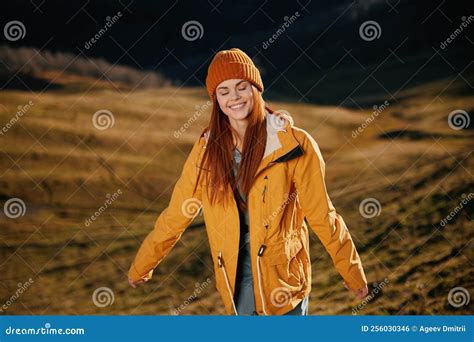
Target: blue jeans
x,y
244,298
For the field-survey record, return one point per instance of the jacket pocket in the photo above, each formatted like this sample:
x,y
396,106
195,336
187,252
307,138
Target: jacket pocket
x,y
282,252
282,273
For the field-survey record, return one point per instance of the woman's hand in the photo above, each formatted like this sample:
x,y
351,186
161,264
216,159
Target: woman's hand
x,y
135,283
359,293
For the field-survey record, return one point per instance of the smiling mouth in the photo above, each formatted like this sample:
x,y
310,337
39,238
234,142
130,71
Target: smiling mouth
x,y
238,106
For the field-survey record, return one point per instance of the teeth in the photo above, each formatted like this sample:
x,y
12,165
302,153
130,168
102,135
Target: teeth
x,y
237,106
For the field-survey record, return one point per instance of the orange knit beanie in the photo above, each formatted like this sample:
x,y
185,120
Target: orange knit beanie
x,y
232,64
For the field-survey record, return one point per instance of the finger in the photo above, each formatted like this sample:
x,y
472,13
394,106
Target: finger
x,y
141,281
361,294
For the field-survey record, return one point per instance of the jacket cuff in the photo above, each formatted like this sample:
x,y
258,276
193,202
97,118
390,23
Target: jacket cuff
x,y
134,275
356,279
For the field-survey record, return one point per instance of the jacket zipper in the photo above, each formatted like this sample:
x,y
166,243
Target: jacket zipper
x,y
264,196
262,248
267,166
220,263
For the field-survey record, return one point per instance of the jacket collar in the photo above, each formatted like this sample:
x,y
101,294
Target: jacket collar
x,y
281,144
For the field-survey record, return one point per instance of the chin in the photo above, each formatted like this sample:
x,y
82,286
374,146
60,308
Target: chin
x,y
241,115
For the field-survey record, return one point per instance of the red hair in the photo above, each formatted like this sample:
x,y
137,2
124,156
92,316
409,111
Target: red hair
x,y
218,160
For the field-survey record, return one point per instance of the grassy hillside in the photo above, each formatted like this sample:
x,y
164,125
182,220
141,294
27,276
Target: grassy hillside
x,y
64,169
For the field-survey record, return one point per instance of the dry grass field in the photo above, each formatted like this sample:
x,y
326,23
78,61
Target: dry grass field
x,y
64,169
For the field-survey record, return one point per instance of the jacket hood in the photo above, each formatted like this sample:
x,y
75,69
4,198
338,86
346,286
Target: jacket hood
x,y
281,144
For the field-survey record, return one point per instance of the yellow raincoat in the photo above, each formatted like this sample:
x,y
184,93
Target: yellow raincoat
x,y
289,187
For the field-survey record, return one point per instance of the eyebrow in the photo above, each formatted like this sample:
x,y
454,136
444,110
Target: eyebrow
x,y
224,87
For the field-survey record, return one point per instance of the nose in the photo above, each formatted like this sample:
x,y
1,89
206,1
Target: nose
x,y
235,95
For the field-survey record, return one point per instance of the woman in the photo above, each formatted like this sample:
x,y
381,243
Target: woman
x,y
256,177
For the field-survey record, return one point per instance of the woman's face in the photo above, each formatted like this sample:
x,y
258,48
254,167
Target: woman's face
x,y
235,97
